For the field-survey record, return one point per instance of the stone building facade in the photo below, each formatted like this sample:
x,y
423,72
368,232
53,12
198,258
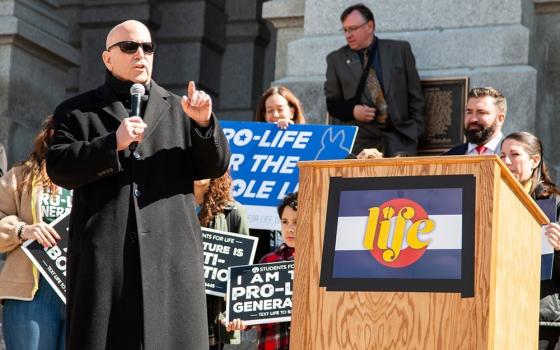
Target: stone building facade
x,y
234,49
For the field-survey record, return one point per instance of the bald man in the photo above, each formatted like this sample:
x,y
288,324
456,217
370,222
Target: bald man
x,y
135,274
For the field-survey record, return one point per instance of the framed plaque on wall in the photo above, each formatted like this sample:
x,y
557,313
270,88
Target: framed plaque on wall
x,y
444,109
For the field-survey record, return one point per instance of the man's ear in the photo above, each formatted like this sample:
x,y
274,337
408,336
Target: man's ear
x,y
106,57
501,117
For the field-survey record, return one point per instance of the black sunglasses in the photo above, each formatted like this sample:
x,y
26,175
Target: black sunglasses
x,y
132,46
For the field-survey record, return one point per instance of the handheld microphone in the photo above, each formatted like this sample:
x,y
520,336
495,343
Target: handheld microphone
x,y
136,93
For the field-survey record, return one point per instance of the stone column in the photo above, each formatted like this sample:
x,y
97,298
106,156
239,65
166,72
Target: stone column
x,y
34,61
547,61
243,62
190,42
287,18
485,41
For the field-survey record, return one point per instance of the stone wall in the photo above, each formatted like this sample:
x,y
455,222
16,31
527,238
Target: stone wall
x,y
546,58
34,59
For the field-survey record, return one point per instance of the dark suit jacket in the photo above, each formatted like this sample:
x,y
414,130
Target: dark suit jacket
x,y
464,147
156,183
401,85
458,150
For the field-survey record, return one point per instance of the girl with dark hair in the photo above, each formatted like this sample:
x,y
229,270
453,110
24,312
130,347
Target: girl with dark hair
x,y
218,210
522,153
280,106
33,314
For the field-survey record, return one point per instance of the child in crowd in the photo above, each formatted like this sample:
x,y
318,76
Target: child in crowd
x,y
277,335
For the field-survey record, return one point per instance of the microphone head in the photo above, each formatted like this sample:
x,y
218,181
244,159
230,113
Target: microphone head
x,y
137,89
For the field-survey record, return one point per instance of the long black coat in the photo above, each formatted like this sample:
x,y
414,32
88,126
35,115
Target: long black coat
x,y
158,178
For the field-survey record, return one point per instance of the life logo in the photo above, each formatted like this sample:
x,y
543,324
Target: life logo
x,y
394,232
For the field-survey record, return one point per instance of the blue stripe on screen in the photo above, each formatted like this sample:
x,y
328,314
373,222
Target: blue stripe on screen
x,y
436,201
434,264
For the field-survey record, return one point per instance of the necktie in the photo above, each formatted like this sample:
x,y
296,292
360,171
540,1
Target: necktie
x,y
374,88
480,149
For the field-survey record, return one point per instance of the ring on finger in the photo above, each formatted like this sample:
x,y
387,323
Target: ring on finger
x,y
136,131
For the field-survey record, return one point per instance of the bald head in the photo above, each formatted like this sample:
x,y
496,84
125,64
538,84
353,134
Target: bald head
x,y
122,31
135,66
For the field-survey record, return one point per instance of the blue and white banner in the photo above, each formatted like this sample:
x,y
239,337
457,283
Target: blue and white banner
x,y
403,233
264,161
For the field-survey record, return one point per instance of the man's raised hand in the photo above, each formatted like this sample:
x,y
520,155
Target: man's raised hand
x,y
197,105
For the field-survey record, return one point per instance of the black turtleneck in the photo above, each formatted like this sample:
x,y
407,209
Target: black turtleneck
x,y
122,90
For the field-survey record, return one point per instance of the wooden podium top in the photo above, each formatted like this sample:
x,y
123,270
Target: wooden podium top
x,y
505,174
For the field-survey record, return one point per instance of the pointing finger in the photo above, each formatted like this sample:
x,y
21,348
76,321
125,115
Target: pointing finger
x,y
194,97
191,88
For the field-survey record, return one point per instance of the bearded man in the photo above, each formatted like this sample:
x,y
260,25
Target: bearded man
x,y
484,117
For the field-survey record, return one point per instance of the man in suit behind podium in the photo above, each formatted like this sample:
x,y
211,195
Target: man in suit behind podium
x,y
373,84
484,116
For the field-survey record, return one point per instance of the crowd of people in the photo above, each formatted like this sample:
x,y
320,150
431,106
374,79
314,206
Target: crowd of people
x,y
123,233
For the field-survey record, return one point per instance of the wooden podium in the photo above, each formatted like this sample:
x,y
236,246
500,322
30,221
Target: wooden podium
x,y
504,309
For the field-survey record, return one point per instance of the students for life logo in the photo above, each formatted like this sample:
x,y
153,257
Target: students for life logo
x,y
397,232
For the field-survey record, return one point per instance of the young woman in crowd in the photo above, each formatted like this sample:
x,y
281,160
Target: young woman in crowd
x,y
280,106
277,335
33,314
522,153
219,211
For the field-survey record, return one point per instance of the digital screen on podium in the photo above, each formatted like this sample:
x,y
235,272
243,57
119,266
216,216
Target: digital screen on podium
x,y
404,233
